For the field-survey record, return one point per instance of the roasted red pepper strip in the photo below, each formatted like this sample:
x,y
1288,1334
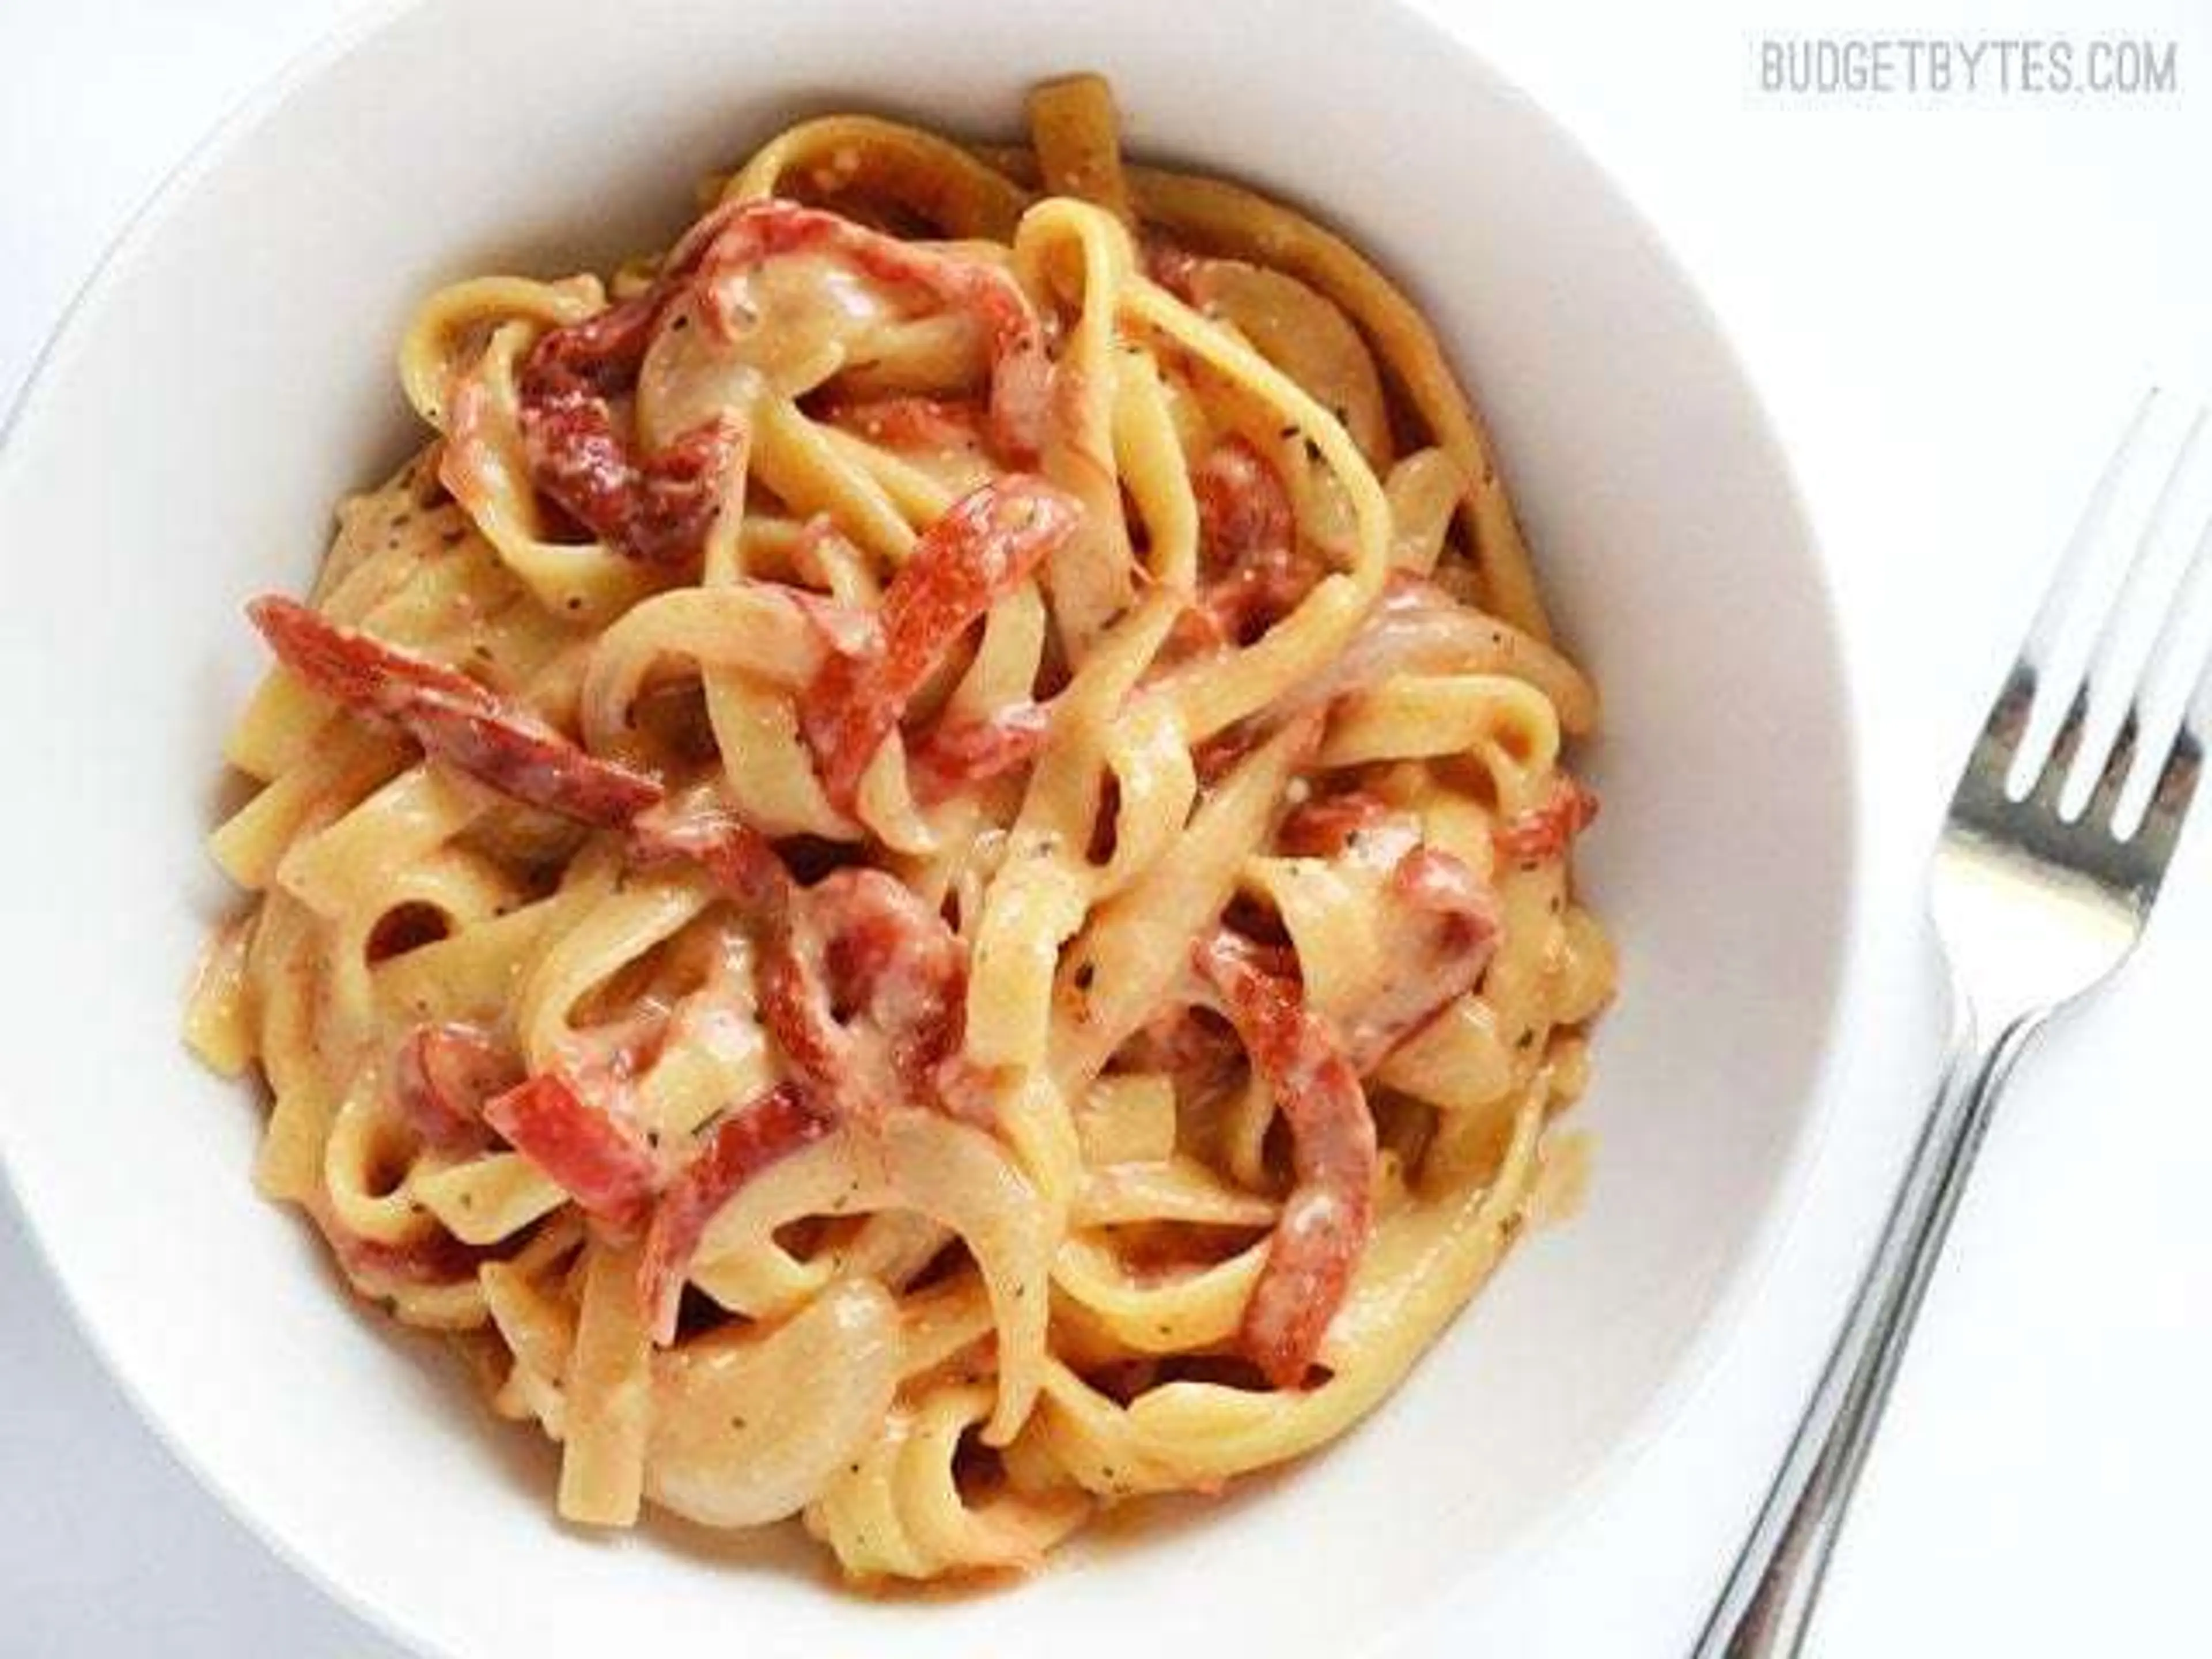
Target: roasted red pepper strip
x,y
1325,1221
458,722
1543,833
952,757
986,544
910,422
1440,921
858,941
378,1270
738,236
1172,266
1444,930
747,1141
657,508
1252,572
601,1162
1323,826
746,867
441,1078
741,861
1243,506
1199,1052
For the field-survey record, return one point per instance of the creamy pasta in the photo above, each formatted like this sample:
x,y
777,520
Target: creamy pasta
x,y
917,874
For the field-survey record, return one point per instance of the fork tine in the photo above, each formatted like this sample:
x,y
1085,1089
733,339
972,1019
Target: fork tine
x,y
2119,765
2113,677
2009,732
2181,656
2044,633
2183,762
2050,782
2177,783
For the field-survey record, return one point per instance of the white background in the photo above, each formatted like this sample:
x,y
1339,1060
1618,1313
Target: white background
x,y
1950,306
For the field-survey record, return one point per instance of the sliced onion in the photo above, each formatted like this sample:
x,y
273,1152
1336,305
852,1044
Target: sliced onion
x,y
746,1429
1416,628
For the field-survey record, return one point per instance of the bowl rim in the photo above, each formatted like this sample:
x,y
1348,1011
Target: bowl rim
x,y
1743,1276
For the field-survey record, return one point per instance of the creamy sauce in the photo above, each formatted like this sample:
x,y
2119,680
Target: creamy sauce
x,y
798,317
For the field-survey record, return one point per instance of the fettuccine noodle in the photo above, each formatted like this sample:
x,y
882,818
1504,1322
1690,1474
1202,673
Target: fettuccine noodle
x,y
917,875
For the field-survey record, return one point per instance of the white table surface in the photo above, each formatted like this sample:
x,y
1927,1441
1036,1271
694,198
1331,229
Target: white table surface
x,y
1949,307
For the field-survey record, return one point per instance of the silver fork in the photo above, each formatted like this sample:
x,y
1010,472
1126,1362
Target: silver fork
x,y
2038,896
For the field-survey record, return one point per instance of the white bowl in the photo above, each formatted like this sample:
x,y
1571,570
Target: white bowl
x,y
230,374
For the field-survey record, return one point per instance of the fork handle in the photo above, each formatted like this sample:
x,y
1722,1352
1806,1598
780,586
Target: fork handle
x,y
1767,1604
